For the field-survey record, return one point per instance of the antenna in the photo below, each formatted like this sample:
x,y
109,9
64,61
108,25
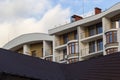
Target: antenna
x,y
83,7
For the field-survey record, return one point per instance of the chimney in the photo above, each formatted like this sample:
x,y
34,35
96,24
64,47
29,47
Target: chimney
x,y
97,10
76,18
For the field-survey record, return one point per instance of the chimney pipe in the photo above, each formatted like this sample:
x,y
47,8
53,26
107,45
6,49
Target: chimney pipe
x,y
97,10
76,18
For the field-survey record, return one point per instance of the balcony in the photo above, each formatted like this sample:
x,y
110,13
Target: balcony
x,y
61,59
73,55
65,45
87,38
48,52
49,58
87,53
111,44
61,46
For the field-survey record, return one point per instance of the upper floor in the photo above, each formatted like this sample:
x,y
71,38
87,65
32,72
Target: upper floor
x,y
34,44
97,35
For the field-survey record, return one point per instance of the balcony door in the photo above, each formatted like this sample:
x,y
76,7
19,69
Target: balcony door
x,y
92,47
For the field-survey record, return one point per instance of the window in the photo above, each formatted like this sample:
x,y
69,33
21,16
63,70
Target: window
x,y
99,44
111,37
65,38
73,48
111,50
95,29
99,28
115,36
75,35
113,25
119,23
91,30
91,46
76,48
64,53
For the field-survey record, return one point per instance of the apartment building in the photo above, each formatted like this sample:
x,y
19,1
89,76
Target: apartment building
x,y
89,37
33,44
81,39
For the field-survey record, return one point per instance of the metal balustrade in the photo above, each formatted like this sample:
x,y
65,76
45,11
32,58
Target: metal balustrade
x,y
87,51
48,52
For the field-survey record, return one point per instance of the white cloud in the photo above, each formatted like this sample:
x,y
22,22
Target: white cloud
x,y
14,9
54,16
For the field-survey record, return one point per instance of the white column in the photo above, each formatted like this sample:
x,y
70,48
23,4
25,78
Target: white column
x,y
118,38
67,53
95,45
54,48
106,23
26,49
78,31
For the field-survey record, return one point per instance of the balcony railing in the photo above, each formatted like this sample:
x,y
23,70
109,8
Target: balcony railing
x,y
48,52
61,59
50,58
85,35
87,51
72,55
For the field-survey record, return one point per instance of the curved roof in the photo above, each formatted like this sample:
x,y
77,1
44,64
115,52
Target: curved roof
x,y
27,38
86,21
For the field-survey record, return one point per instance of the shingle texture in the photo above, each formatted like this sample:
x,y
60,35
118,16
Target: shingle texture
x,y
103,68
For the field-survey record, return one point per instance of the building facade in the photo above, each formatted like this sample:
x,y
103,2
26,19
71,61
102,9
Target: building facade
x,y
89,37
82,39
33,44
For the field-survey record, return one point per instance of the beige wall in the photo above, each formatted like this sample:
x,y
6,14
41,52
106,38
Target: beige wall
x,y
57,40
20,50
38,48
48,48
59,55
70,37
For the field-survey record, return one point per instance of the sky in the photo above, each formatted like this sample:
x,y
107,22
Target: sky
x,y
19,17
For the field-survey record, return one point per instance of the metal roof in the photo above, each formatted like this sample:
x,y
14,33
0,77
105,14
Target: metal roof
x,y
102,68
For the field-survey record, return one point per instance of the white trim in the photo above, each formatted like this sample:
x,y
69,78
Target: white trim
x,y
71,41
111,30
85,20
92,54
111,47
65,45
73,57
27,38
91,37
48,56
61,46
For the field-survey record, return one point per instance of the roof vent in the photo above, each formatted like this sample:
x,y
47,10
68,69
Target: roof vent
x,y
75,18
97,10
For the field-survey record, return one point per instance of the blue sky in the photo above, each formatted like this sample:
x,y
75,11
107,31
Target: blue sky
x,y
19,17
76,6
